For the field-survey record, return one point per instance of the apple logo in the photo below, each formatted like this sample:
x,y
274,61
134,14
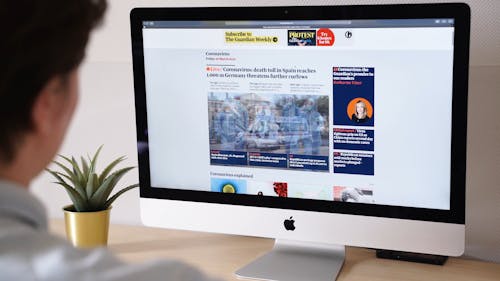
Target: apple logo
x,y
289,224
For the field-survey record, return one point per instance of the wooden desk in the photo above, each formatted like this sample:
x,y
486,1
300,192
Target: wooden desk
x,y
220,255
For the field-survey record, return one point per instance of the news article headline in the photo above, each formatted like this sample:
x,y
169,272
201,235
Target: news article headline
x,y
260,72
231,175
353,163
353,139
351,73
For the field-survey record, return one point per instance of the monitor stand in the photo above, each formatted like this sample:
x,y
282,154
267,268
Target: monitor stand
x,y
296,261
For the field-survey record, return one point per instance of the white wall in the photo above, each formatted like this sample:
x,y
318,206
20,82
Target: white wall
x,y
106,114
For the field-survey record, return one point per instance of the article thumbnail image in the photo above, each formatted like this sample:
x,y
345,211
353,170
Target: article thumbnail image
x,y
352,194
281,188
265,188
295,124
310,191
228,185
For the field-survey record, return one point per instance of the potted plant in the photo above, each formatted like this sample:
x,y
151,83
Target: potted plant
x,y
87,219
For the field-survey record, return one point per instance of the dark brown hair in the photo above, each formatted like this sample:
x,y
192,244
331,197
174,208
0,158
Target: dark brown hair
x,y
38,41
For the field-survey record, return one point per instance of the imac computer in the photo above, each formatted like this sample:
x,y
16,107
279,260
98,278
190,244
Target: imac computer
x,y
318,126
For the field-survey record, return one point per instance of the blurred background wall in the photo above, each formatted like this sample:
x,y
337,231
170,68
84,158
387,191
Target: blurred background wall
x,y
106,114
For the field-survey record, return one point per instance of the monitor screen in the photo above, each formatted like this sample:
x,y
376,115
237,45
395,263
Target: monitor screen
x,y
329,110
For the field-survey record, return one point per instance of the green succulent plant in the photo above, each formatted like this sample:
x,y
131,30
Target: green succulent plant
x,y
88,190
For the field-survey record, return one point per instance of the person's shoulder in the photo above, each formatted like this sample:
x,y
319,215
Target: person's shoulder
x,y
22,241
23,249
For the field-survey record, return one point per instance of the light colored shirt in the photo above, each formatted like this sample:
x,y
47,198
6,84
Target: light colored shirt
x,y
29,252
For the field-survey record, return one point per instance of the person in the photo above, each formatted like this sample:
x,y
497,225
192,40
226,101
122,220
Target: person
x,y
227,127
315,124
361,114
242,121
265,123
290,124
42,46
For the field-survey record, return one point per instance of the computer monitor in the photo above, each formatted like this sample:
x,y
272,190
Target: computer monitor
x,y
315,126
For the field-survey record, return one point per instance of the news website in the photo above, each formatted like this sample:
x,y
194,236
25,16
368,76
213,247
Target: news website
x,y
353,114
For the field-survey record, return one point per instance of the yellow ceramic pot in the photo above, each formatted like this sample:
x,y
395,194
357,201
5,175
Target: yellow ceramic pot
x,y
86,229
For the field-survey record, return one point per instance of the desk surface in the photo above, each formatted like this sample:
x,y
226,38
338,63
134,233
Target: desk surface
x,y
220,255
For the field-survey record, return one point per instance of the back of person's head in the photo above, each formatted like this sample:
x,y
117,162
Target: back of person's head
x,y
40,40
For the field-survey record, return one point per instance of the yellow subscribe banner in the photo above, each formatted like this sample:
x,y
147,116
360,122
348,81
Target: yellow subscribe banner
x,y
248,37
